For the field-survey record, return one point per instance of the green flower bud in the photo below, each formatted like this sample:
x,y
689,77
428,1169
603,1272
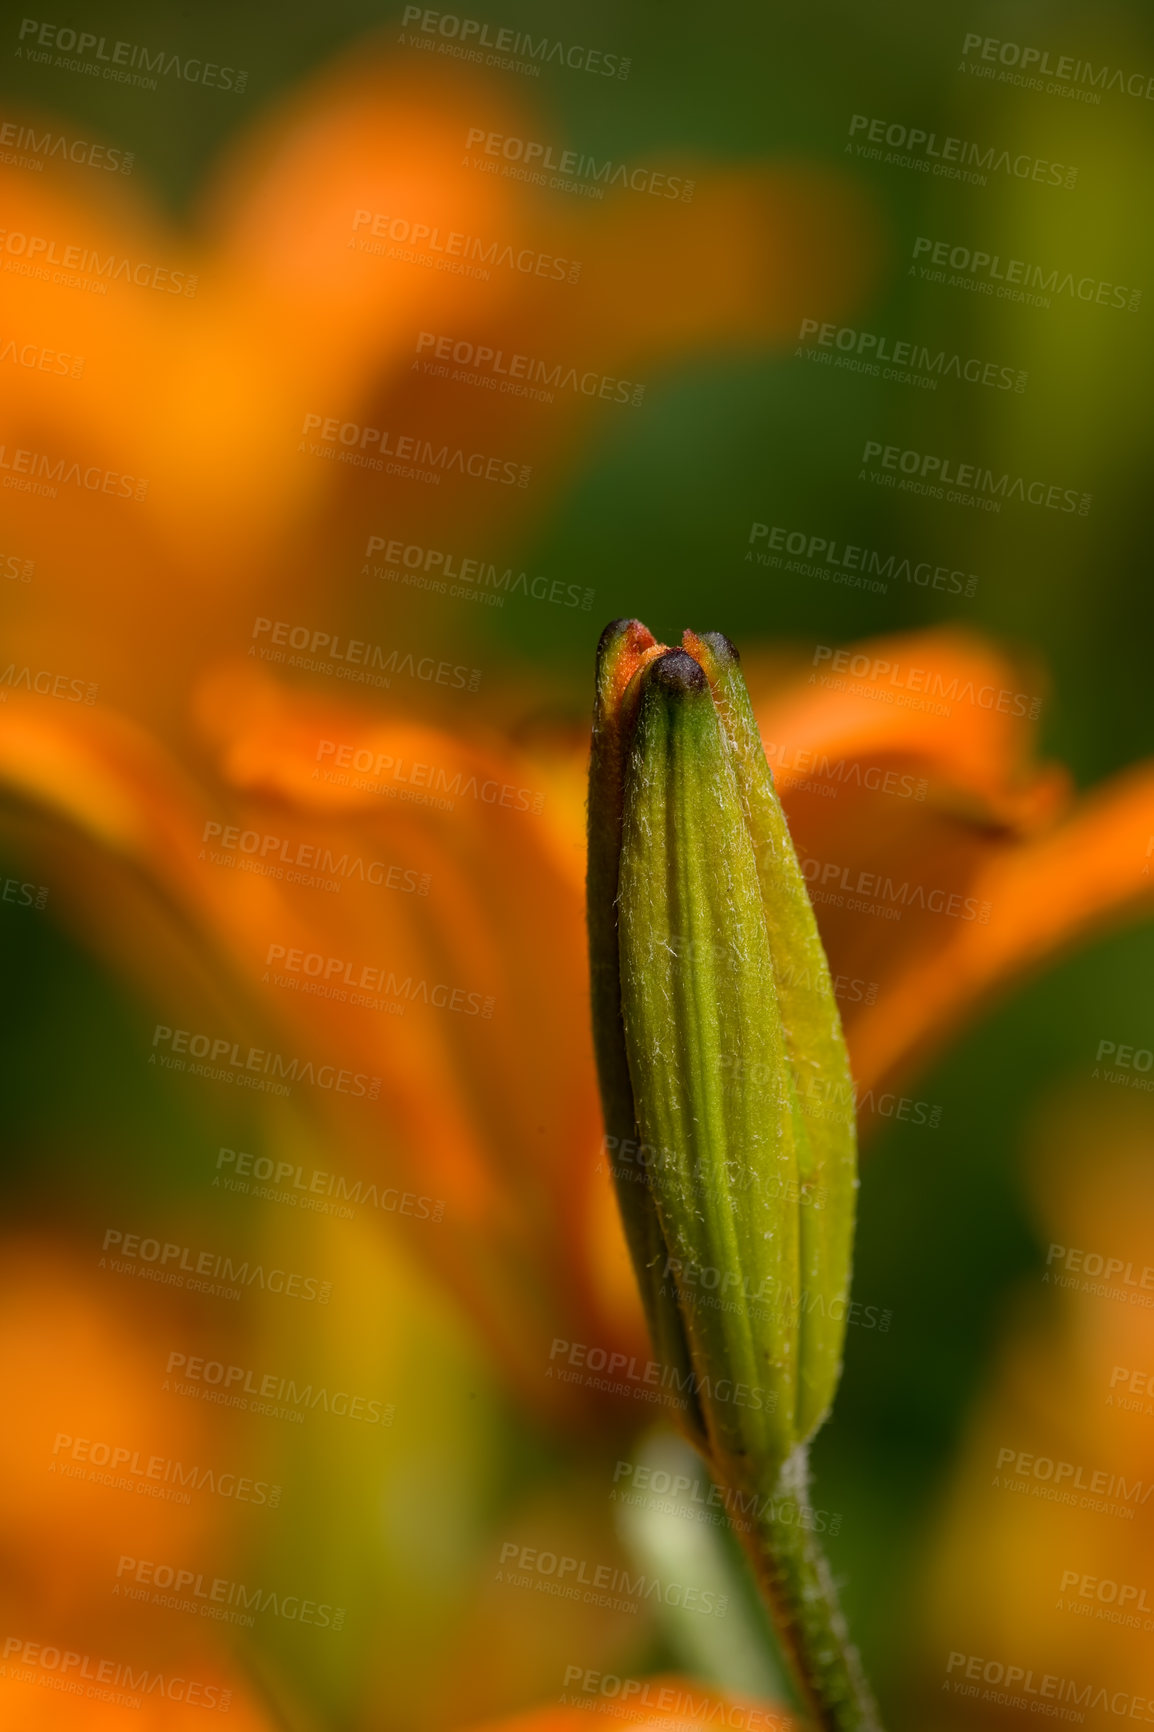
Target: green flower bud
x,y
716,1028
622,645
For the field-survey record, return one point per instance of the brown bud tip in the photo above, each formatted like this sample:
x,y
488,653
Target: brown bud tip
x,y
677,673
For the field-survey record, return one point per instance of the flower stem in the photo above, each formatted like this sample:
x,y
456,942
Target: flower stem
x,y
798,1587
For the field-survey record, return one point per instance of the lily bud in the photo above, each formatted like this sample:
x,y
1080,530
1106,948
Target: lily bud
x,y
716,1028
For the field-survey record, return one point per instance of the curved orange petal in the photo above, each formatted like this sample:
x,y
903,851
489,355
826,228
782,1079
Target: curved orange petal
x,y
456,1018
1043,895
945,705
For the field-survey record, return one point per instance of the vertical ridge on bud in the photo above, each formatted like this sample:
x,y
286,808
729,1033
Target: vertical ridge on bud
x,y
625,647
707,1062
814,1042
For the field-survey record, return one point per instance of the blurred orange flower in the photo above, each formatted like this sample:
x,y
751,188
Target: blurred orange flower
x,y
1050,1508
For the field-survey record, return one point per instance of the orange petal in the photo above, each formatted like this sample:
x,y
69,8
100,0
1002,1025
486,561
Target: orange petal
x,y
1043,895
942,705
462,1012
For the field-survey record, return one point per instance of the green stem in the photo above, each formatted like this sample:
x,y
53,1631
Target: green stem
x,y
799,1590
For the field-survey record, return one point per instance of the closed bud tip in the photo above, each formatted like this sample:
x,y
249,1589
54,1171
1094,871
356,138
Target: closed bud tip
x,y
677,673
712,649
625,645
623,633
